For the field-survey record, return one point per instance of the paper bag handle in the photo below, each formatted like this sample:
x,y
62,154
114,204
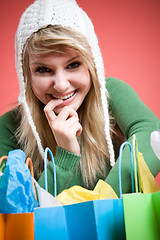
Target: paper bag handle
x,y
135,155
120,159
47,150
30,166
2,158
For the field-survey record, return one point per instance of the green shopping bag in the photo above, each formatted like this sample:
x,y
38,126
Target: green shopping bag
x,y
141,210
142,216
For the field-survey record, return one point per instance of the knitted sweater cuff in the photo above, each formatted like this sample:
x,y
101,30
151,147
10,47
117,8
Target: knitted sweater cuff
x,y
65,159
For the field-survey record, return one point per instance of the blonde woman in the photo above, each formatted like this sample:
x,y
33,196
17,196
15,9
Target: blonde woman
x,y
66,104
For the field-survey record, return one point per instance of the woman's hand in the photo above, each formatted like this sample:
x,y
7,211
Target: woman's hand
x,y
65,126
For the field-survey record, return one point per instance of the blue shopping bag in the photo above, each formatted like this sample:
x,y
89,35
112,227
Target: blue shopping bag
x,y
96,220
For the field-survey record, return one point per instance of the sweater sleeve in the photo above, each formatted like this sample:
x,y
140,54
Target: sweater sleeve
x,y
133,117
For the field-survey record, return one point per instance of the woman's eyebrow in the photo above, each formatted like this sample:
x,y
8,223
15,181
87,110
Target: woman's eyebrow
x,y
38,63
43,64
70,60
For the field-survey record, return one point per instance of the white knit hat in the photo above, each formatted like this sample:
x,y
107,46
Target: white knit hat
x,y
67,14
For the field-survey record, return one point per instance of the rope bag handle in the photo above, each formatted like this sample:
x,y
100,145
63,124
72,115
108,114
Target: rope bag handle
x,y
120,160
47,150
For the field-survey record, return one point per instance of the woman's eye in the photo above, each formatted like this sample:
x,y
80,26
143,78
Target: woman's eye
x,y
43,70
73,65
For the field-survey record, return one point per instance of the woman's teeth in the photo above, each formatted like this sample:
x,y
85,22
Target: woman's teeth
x,y
65,97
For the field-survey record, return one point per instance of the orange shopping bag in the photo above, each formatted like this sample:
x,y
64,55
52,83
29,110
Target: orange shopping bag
x,y
17,226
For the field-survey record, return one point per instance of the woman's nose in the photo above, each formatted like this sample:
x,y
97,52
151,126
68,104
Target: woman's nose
x,y
61,82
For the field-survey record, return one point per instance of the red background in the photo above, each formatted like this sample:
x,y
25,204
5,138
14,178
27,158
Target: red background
x,y
129,37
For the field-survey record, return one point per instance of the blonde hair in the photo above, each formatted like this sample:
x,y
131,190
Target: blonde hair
x,y
92,140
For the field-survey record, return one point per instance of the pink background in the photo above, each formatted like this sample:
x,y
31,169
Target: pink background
x,y
129,37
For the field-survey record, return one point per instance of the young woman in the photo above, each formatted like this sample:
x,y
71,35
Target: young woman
x,y
66,104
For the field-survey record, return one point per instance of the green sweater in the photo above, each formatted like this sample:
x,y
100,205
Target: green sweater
x,y
131,115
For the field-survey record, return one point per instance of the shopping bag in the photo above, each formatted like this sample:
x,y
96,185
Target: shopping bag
x,y
142,216
16,226
2,226
142,210
97,219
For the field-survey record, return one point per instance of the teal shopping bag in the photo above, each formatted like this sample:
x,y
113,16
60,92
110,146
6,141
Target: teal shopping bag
x,y
96,220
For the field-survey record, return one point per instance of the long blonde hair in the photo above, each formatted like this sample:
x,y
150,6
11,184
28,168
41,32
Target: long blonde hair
x,y
92,141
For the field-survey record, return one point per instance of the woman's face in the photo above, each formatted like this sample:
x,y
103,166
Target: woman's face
x,y
63,77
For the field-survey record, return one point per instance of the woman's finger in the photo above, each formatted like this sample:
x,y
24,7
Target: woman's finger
x,y
49,109
74,125
67,112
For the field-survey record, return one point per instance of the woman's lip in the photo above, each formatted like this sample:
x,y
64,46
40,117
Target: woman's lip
x,y
68,100
63,97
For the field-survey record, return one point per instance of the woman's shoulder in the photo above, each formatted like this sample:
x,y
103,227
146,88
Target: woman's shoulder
x,y
120,90
125,102
116,83
10,118
9,123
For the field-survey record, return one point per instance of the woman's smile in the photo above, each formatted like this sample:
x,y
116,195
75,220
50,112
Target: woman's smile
x,y
64,96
